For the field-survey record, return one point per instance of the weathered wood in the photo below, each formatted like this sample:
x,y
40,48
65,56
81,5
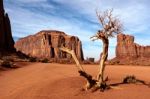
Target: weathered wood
x,y
88,77
110,26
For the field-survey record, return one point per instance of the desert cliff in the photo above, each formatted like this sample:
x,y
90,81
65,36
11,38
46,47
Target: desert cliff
x,y
6,41
129,52
45,44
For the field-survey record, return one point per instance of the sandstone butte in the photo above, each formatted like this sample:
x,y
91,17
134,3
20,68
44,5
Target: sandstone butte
x,y
6,40
129,52
46,43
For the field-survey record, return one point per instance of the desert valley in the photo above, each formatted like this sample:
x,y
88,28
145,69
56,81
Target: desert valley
x,y
50,64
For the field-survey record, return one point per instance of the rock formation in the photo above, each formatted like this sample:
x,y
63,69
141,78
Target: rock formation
x,y
45,44
127,48
128,52
6,40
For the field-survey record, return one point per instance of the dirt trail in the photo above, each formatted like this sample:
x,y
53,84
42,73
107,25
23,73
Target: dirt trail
x,y
55,81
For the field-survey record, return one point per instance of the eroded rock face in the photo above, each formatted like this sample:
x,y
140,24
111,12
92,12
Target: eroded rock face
x,y
127,48
45,44
129,52
6,40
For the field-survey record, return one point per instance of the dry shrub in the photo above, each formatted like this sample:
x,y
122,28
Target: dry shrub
x,y
7,64
45,60
32,59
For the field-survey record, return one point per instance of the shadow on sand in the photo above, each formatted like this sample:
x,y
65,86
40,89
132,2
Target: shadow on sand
x,y
130,80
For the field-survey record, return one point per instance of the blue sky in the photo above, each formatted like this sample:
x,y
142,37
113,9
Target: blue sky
x,y
78,17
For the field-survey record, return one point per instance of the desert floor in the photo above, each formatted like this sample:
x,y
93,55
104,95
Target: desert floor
x,y
57,81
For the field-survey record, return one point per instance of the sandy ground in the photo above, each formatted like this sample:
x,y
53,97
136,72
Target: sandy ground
x,y
57,81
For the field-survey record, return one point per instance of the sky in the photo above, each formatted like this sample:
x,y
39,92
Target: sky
x,y
78,17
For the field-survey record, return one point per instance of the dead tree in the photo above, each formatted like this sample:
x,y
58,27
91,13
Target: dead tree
x,y
110,26
88,77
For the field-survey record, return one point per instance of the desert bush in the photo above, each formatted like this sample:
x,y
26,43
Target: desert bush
x,y
32,59
45,60
129,79
8,58
114,62
86,62
7,64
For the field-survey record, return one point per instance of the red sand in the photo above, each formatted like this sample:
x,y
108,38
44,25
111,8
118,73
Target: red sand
x,y
57,81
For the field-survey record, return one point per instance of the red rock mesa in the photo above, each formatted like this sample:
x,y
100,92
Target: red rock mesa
x,y
128,52
45,44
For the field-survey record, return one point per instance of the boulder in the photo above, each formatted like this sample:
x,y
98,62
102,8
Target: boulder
x,y
45,44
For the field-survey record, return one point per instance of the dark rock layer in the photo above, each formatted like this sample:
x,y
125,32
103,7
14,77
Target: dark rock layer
x,y
6,40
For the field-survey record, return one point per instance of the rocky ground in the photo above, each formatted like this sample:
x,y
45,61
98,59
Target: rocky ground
x,y
57,81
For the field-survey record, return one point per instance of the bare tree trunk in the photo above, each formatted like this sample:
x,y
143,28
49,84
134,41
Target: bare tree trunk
x,y
88,77
100,76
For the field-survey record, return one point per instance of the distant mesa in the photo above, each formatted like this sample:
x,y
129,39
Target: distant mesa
x,y
127,48
128,52
45,44
6,40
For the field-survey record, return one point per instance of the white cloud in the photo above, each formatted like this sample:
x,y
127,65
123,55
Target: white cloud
x,y
30,1
133,13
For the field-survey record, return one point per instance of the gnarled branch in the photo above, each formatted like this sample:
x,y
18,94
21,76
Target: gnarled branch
x,y
88,77
110,25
